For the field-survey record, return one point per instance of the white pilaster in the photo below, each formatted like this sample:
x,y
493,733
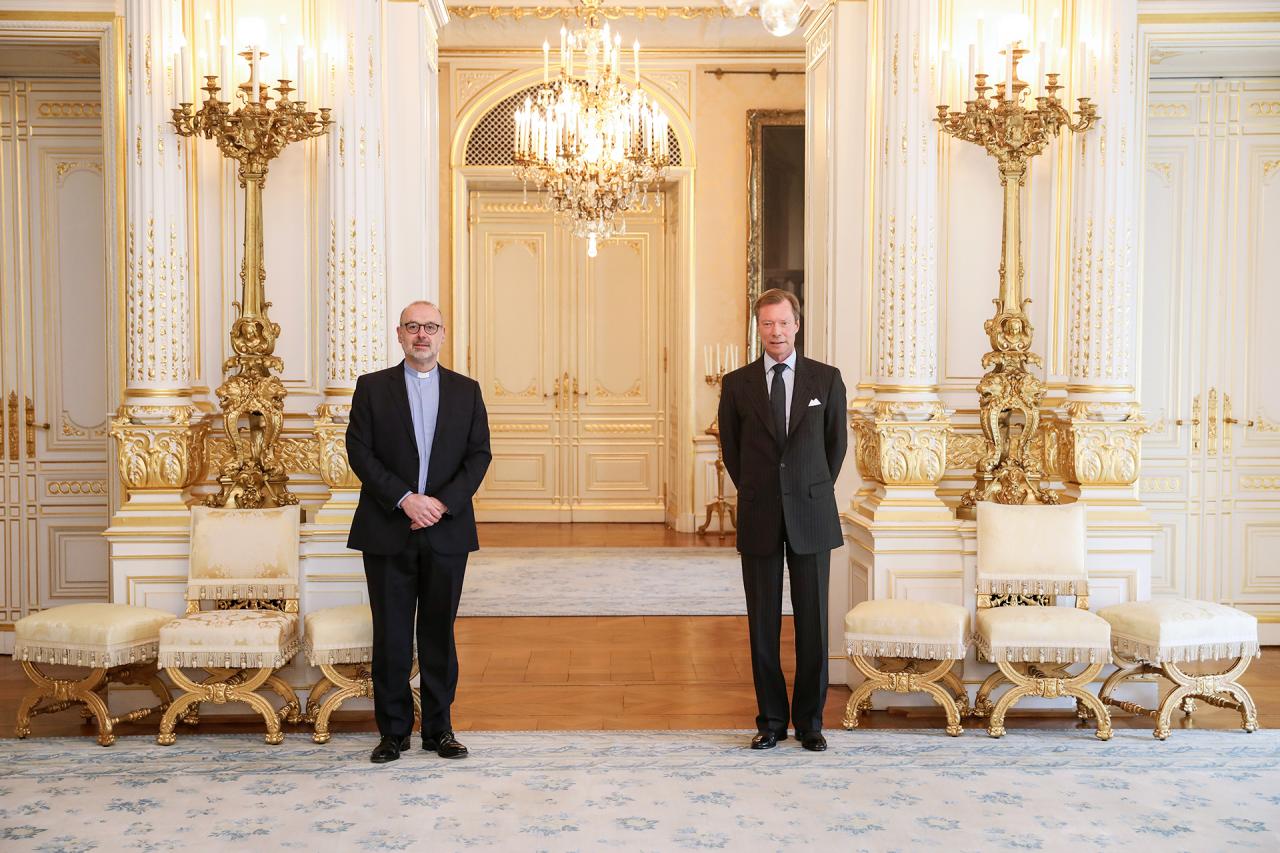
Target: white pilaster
x,y
901,436
1103,418
159,435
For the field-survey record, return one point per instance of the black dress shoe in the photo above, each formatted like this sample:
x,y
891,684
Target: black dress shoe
x,y
813,741
767,740
445,745
389,749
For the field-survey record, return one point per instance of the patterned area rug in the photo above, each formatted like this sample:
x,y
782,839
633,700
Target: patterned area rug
x,y
873,790
605,582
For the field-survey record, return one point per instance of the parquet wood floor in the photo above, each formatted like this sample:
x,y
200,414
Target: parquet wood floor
x,y
642,672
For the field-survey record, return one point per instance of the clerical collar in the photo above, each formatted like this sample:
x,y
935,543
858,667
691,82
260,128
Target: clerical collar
x,y
417,373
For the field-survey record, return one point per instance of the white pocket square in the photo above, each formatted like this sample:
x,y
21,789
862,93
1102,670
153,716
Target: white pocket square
x,y
815,402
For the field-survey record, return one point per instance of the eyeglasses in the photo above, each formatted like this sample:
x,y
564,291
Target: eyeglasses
x,y
430,328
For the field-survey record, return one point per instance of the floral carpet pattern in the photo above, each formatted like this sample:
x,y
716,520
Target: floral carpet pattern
x,y
872,790
606,582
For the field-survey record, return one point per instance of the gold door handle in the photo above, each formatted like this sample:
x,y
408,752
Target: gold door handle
x,y
1213,421
1194,421
32,426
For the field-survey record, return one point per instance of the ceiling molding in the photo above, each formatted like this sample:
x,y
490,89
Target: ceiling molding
x,y
640,13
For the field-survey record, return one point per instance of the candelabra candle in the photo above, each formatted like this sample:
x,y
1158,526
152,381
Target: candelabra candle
x,y
1010,132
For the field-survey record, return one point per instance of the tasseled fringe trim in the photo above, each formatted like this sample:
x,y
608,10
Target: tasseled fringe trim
x,y
1043,654
100,656
198,589
221,659
342,654
881,648
1032,586
1136,650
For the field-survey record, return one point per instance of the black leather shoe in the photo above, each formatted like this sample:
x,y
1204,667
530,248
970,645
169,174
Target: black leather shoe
x,y
445,745
389,749
813,741
767,740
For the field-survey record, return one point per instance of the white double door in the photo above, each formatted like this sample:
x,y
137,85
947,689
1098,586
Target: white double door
x,y
571,354
53,332
1211,340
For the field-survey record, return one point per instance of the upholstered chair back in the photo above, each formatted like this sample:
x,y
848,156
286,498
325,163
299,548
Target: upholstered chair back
x,y
243,553
1031,550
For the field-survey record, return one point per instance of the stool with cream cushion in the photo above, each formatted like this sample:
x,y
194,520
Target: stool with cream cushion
x,y
115,642
1161,637
917,643
246,561
1027,556
341,637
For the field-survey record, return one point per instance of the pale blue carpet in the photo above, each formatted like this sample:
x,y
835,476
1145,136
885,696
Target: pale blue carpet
x,y
873,790
605,582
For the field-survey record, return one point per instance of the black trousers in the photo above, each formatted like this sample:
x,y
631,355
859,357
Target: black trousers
x,y
417,579
810,579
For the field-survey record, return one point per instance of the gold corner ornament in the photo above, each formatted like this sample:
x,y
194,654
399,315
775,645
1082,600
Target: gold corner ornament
x,y
253,135
1008,472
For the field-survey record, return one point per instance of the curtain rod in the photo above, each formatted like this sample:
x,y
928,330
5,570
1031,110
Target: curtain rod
x,y
772,72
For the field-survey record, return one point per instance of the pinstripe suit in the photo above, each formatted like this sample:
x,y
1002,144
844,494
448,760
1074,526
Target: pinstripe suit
x,y
786,505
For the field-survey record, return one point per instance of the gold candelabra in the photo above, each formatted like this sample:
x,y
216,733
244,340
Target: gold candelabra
x,y
723,361
253,135
1008,471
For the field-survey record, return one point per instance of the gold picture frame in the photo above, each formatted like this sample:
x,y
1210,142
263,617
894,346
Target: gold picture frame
x,y
760,272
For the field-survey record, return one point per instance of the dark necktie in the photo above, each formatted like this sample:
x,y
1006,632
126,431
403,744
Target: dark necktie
x,y
778,402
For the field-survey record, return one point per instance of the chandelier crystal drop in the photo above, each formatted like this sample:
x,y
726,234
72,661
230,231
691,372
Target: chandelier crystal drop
x,y
590,139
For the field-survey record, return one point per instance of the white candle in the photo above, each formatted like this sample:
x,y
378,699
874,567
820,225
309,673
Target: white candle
x,y
302,74
226,70
546,60
202,68
208,32
1043,60
1084,68
184,75
1055,37
284,54
982,59
706,359
253,73
635,59
970,71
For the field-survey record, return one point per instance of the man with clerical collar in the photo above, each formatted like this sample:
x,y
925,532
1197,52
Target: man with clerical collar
x,y
418,439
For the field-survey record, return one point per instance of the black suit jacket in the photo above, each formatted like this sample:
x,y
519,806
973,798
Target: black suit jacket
x,y
796,483
383,453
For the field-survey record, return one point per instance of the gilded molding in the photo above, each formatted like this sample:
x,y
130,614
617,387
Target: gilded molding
x,y
613,13
902,443
158,453
293,455
331,446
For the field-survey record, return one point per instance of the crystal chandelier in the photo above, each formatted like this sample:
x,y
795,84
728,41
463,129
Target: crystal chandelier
x,y
592,142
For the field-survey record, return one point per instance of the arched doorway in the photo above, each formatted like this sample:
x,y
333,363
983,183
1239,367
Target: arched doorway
x,y
579,358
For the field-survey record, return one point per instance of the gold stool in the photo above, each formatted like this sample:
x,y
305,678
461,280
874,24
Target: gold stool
x,y
115,642
917,644
342,637
1160,637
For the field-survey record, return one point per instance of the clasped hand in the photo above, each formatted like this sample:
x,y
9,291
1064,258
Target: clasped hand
x,y
423,511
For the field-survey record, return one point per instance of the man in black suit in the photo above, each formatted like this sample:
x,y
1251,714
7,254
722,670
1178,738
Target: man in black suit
x,y
782,432
418,440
